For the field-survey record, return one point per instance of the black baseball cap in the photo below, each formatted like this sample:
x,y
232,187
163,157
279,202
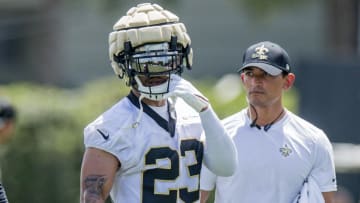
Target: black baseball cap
x,y
267,56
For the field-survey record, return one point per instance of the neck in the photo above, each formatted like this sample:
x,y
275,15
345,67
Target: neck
x,y
265,116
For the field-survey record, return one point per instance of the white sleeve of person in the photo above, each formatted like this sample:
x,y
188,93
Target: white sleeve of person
x,y
220,155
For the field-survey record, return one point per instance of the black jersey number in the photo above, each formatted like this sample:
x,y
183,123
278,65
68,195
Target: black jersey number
x,y
171,173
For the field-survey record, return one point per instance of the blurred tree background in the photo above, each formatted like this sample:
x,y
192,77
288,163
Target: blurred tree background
x,y
64,43
54,67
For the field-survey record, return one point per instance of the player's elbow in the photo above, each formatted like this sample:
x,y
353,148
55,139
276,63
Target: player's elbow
x,y
231,169
228,169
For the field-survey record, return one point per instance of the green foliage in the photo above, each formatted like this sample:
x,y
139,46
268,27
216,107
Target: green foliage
x,y
43,160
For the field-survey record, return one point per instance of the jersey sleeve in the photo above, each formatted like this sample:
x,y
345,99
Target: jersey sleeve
x,y
207,179
112,132
115,143
324,168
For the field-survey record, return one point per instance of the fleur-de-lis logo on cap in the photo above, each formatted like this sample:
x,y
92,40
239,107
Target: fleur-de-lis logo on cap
x,y
285,151
260,52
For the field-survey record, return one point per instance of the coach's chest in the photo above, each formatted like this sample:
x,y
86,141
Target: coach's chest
x,y
277,156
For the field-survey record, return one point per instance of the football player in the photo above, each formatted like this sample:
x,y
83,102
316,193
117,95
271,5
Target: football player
x,y
150,146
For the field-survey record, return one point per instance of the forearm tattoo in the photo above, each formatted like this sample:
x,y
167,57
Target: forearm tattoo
x,y
93,188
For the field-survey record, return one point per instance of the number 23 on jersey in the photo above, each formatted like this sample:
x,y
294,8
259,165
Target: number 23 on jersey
x,y
173,177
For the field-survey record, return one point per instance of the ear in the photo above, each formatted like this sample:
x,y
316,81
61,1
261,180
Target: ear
x,y
6,131
242,77
289,81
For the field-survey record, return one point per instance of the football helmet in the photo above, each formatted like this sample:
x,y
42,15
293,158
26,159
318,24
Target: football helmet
x,y
147,46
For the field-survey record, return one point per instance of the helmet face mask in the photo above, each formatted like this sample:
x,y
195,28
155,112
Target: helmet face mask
x,y
155,59
149,68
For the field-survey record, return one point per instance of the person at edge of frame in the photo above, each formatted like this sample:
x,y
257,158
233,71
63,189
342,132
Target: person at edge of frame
x,y
7,123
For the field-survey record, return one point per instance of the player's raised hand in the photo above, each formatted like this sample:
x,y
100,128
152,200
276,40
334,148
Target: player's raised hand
x,y
185,90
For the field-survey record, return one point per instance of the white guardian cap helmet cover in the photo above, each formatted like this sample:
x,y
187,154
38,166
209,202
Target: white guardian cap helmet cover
x,y
149,42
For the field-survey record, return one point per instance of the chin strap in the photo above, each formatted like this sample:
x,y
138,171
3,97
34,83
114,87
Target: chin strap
x,y
141,111
166,125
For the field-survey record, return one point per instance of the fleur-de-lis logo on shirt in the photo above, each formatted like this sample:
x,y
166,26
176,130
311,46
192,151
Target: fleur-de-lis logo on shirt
x,y
285,150
260,52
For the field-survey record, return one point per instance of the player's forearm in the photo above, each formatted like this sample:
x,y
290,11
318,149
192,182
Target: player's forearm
x,y
92,199
220,154
204,196
328,197
93,190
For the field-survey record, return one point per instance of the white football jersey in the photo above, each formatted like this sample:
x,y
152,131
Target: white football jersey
x,y
155,167
273,164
